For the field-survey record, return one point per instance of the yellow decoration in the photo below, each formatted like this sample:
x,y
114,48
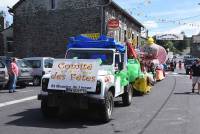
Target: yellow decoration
x,y
150,41
92,35
134,42
142,85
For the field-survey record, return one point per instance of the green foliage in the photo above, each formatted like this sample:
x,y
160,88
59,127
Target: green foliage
x,y
2,14
176,46
1,19
167,45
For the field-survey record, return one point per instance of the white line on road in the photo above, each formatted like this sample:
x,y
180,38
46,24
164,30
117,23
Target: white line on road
x,y
25,91
17,101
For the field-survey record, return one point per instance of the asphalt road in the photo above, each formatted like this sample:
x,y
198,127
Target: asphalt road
x,y
170,108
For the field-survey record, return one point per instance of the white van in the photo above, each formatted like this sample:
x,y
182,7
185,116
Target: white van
x,y
41,66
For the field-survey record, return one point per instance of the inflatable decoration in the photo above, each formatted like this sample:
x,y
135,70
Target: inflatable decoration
x,y
154,53
154,57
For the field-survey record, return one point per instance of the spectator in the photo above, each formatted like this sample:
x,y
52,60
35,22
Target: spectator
x,y
174,64
13,73
180,64
195,72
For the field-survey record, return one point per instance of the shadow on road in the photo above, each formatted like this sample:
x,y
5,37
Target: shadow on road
x,y
185,93
34,118
182,74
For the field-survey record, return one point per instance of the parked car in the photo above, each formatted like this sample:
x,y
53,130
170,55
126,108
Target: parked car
x,y
25,73
41,66
188,63
4,77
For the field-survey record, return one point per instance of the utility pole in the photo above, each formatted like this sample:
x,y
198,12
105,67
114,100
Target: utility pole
x,y
102,15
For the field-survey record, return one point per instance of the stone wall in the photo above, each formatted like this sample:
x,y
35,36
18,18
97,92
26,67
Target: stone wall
x,y
42,31
195,47
1,45
1,23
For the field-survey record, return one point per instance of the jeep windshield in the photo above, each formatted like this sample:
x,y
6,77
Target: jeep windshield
x,y
105,55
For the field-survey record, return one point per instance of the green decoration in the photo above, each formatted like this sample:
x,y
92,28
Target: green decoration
x,y
134,70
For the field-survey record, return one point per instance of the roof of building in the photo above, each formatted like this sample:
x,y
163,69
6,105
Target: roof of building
x,y
126,14
16,5
11,26
112,3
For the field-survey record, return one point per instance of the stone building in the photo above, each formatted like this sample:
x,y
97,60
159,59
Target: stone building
x,y
6,37
7,42
1,22
195,47
42,27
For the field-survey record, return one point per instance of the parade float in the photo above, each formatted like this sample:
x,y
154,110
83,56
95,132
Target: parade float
x,y
143,82
154,56
98,70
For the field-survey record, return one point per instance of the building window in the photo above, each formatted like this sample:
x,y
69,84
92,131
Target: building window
x,y
10,46
53,4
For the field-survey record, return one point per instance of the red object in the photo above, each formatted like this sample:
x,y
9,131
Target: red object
x,y
113,23
180,65
190,75
14,69
131,51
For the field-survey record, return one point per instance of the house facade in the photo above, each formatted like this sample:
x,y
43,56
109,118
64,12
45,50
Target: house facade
x,y
195,47
42,28
6,42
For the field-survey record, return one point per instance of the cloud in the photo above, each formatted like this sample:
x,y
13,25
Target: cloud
x,y
188,29
150,24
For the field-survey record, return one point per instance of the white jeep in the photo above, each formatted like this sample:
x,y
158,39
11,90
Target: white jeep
x,y
83,81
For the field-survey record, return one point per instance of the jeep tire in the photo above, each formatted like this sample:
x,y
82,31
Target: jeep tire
x,y
47,111
107,108
127,96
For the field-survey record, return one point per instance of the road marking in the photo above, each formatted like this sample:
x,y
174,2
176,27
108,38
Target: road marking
x,y
25,91
17,101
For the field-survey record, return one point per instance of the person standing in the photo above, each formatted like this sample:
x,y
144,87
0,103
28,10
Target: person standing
x,y
180,65
13,73
195,73
174,64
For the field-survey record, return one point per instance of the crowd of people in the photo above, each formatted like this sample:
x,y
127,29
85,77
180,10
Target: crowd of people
x,y
172,64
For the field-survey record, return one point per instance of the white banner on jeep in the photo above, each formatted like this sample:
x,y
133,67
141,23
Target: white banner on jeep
x,y
74,75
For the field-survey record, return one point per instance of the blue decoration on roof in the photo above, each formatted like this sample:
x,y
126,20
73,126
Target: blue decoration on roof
x,y
102,42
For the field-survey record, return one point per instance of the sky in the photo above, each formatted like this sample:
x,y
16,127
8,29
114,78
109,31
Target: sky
x,y
158,16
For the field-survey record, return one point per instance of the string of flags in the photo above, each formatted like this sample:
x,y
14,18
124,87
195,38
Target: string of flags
x,y
136,11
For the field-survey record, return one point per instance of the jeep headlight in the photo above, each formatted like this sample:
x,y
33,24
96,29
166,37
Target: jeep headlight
x,y
98,87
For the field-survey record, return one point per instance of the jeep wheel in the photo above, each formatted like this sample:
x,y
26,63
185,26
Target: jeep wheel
x,y
48,111
127,96
36,81
107,109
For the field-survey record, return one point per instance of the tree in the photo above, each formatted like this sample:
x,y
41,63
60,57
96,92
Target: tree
x,y
1,20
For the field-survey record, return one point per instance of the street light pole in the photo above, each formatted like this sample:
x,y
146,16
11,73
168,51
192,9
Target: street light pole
x,y
102,14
